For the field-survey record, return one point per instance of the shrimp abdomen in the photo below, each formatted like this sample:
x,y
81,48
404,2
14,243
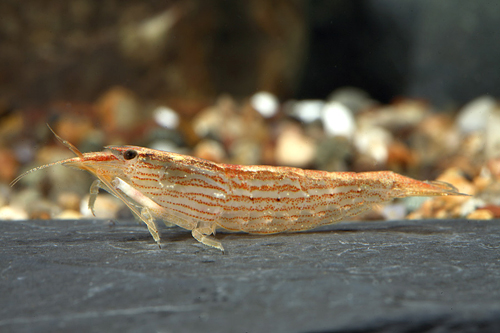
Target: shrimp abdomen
x,y
270,200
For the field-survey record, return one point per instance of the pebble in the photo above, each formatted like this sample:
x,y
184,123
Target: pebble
x,y
338,120
306,111
69,214
400,158
483,180
333,154
208,122
481,214
69,201
166,117
471,205
494,209
265,103
210,150
72,127
293,148
353,98
394,212
9,166
31,201
246,153
403,114
434,138
12,213
474,115
373,142
118,110
43,209
221,121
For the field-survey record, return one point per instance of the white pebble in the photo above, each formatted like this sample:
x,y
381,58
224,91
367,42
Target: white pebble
x,y
265,103
394,212
474,116
12,213
338,120
471,205
373,142
166,117
307,111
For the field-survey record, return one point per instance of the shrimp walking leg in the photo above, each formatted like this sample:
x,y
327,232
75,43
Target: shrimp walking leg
x,y
144,215
94,191
148,218
202,233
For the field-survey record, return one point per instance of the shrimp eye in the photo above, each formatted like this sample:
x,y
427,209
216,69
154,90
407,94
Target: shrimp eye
x,y
129,154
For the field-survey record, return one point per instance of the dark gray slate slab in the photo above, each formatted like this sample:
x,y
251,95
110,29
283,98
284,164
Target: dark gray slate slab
x,y
96,276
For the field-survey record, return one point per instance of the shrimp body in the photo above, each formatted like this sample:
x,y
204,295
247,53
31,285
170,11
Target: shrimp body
x,y
202,196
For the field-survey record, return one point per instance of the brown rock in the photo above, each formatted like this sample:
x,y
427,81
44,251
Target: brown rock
x,y
210,150
494,209
481,214
400,158
293,148
69,201
8,165
68,214
118,110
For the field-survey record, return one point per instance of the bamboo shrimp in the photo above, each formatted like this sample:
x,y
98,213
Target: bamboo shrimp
x,y
202,196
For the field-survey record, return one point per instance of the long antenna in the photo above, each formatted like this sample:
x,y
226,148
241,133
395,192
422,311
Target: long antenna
x,y
66,143
61,140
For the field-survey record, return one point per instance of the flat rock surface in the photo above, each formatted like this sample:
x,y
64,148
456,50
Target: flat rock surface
x,y
100,276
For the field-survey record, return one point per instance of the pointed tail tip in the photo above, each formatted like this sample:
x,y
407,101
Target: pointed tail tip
x,y
444,188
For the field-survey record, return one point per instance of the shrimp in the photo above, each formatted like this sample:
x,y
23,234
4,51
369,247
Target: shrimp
x,y
203,196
